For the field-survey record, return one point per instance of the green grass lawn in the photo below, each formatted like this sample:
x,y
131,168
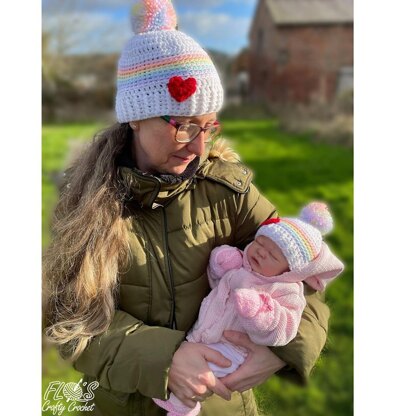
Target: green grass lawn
x,y
291,171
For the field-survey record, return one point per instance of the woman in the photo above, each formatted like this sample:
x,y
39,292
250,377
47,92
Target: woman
x,y
142,209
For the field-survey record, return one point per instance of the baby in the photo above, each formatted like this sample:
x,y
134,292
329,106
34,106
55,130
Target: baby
x,y
259,291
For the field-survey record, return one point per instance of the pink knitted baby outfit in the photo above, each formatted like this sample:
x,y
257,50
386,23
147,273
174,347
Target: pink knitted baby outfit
x,y
268,309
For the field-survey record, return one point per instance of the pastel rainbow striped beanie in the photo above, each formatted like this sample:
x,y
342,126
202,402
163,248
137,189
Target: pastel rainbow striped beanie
x,y
162,71
300,239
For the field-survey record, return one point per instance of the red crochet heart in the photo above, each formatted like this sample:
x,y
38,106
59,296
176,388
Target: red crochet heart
x,y
181,89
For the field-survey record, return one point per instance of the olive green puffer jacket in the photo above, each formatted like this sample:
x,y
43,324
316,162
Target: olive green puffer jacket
x,y
173,229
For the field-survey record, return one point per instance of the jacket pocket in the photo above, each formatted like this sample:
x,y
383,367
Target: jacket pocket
x,y
110,402
114,396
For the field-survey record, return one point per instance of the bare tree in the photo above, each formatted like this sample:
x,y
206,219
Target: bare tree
x,y
70,27
80,24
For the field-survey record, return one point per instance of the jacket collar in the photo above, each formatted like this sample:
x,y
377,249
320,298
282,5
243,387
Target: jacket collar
x,y
151,191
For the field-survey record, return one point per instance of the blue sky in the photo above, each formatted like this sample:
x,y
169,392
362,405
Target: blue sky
x,y
104,26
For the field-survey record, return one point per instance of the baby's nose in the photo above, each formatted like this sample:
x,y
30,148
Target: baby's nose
x,y
261,252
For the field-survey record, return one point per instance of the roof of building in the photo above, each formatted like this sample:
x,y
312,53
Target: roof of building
x,y
295,12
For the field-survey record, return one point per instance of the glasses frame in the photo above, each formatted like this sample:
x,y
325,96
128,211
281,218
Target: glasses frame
x,y
177,125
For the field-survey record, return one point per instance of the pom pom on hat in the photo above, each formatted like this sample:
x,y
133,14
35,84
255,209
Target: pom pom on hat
x,y
300,239
151,15
317,215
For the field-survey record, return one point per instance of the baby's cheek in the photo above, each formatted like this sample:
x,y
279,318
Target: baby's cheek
x,y
267,270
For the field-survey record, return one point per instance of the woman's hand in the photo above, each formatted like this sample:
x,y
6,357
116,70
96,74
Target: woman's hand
x,y
190,378
259,365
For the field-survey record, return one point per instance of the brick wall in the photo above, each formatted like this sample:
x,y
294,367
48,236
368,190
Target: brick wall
x,y
297,64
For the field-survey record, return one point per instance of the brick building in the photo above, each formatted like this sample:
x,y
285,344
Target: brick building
x,y
301,51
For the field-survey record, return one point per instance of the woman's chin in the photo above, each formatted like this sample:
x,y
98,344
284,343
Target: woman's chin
x,y
177,170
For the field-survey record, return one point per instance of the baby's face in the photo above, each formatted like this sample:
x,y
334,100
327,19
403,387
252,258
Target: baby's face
x,y
266,258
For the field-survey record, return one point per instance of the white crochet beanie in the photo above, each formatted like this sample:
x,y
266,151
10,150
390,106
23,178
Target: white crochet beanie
x,y
300,239
162,71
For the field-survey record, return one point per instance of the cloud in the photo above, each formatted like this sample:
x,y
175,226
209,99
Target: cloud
x,y
206,4
210,4
54,6
49,5
218,31
81,32
99,30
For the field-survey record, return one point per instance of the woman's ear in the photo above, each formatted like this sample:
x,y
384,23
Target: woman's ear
x,y
134,125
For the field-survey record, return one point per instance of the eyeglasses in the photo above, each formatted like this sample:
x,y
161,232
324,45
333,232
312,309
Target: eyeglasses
x,y
186,132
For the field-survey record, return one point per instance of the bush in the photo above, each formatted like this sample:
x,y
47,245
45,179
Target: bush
x,y
245,111
324,123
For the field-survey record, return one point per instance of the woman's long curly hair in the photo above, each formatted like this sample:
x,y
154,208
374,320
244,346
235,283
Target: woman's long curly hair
x,y
89,246
90,243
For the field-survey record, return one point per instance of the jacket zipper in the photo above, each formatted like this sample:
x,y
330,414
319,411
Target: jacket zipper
x,y
172,320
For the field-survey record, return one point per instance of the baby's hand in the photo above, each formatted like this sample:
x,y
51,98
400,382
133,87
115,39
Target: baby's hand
x,y
249,302
225,258
268,320
256,309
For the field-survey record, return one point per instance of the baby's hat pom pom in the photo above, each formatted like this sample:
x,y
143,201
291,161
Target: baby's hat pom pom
x,y
152,15
317,215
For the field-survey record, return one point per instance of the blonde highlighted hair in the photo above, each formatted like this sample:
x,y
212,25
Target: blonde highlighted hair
x,y
89,245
